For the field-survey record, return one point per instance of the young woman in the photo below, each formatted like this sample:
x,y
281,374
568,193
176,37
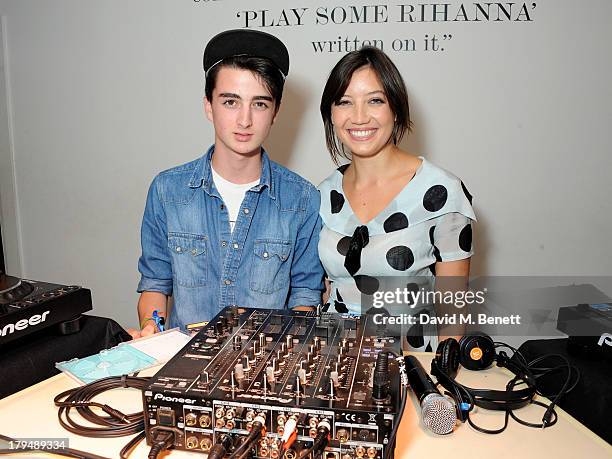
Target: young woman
x,y
387,212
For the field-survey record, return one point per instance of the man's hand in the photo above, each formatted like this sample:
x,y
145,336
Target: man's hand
x,y
147,330
149,303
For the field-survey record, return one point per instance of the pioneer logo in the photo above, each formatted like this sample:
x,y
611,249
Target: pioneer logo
x,y
22,324
173,399
605,338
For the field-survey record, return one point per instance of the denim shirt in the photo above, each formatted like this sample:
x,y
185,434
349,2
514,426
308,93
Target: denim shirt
x,y
270,260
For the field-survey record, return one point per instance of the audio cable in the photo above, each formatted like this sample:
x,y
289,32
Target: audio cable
x,y
115,424
289,435
256,431
220,449
321,440
550,416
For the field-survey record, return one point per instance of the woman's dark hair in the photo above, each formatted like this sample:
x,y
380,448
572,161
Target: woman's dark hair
x,y
393,87
270,75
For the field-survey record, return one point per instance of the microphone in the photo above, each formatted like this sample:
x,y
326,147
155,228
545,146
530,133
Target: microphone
x,y
437,412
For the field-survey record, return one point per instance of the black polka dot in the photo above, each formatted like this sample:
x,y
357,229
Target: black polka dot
x,y
395,222
466,192
340,307
415,336
465,238
337,201
428,348
435,198
432,268
342,168
343,245
339,304
400,257
436,251
366,284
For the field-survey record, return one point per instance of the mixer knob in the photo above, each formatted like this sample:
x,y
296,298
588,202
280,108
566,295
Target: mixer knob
x,y
239,371
270,375
333,376
302,376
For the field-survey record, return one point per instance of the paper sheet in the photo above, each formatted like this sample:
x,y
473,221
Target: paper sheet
x,y
162,346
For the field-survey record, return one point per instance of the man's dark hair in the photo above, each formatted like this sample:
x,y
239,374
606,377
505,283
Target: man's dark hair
x,y
263,68
393,87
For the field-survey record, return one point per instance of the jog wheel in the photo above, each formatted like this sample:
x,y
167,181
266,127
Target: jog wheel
x,y
13,289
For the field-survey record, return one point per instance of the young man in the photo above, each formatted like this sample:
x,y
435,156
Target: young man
x,y
232,227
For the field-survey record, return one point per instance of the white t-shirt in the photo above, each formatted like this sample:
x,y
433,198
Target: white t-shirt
x,y
232,195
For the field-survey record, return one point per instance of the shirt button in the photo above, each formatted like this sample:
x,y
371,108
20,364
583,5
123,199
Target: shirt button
x,y
222,207
227,282
224,243
178,249
246,211
194,252
266,255
235,245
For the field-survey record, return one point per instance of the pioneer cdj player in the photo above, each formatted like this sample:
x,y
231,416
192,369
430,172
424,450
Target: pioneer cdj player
x,y
28,306
288,370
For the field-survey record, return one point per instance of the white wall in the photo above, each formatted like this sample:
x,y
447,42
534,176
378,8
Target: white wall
x,y
103,95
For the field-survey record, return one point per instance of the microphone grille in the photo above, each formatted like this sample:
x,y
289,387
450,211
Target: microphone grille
x,y
438,414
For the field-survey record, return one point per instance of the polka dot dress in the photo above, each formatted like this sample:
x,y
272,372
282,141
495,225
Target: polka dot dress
x,y
429,221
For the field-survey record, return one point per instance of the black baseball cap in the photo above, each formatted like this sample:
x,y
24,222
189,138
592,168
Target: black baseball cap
x,y
246,42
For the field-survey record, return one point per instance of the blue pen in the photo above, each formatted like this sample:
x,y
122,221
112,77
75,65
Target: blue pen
x,y
159,321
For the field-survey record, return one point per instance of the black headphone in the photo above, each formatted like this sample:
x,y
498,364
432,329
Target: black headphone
x,y
477,352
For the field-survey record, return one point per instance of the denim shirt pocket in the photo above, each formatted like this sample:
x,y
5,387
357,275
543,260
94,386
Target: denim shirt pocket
x,y
189,267
270,270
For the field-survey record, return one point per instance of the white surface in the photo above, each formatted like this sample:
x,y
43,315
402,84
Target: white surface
x,y
568,439
162,346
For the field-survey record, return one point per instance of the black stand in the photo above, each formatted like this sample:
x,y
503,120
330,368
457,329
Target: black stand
x,y
32,359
